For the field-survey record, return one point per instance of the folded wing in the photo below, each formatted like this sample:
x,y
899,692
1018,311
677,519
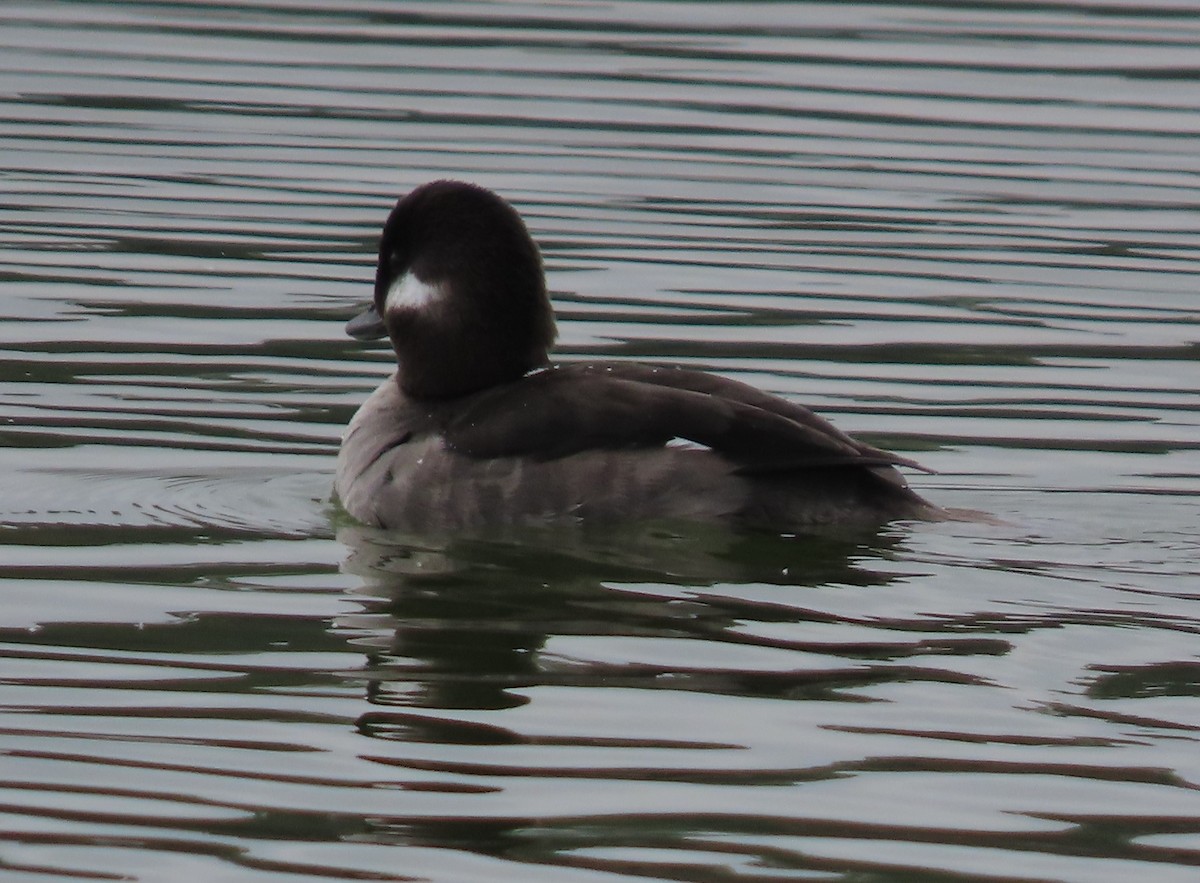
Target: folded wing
x,y
574,408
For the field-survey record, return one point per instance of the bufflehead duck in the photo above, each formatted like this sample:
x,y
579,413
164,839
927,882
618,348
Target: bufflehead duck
x,y
477,429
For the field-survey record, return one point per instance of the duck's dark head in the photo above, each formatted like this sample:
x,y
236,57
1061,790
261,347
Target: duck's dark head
x,y
460,291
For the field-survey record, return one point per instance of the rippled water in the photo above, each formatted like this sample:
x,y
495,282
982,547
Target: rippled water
x,y
967,232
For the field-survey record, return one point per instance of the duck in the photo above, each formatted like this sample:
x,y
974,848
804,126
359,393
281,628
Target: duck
x,y
477,428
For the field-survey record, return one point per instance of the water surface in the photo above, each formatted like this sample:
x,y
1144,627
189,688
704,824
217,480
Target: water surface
x,y
966,232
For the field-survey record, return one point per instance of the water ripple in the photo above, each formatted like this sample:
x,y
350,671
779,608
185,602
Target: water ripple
x,y
962,231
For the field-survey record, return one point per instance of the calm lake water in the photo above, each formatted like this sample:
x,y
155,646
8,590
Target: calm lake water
x,y
968,232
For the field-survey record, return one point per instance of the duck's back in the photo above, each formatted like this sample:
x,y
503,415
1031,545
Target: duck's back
x,y
600,443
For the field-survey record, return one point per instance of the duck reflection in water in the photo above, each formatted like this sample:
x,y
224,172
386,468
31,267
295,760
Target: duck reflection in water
x,y
464,622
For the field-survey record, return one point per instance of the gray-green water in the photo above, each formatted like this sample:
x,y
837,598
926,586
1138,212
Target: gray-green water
x,y
965,231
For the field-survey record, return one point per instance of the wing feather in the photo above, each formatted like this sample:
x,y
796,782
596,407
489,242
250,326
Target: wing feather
x,y
569,409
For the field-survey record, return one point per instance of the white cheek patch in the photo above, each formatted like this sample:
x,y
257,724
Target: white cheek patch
x,y
410,293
